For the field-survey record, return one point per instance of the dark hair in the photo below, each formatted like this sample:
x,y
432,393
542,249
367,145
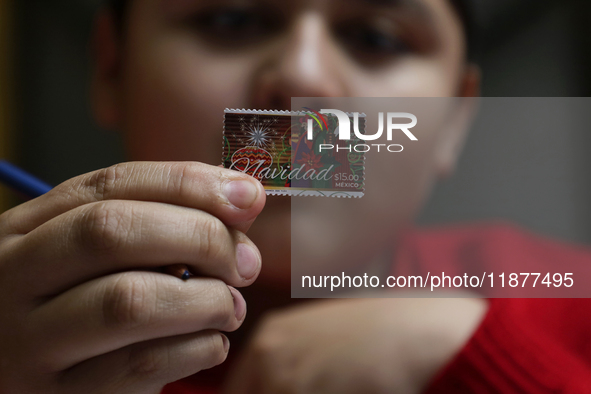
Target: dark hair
x,y
465,12
119,8
462,7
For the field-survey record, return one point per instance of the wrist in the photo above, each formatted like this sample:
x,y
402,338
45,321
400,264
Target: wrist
x,y
444,328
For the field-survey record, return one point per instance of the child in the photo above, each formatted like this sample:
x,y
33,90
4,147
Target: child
x,y
102,318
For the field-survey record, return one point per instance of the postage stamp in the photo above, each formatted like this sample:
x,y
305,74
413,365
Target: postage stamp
x,y
294,153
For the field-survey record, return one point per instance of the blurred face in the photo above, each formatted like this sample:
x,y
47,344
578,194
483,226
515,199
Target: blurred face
x,y
181,62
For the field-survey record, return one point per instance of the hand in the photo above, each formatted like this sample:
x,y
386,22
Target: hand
x,y
354,346
82,306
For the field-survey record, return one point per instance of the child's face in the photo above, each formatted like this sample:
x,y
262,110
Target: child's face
x,y
183,61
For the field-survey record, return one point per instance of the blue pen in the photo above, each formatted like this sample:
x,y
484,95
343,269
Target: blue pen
x,y
21,181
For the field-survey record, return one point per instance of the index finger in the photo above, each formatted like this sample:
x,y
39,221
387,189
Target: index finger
x,y
233,197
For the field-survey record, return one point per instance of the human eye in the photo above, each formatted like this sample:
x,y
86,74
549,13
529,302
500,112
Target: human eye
x,y
370,44
236,25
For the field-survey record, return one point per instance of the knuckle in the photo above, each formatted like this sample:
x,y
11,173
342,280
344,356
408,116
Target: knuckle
x,y
127,304
8,225
182,178
105,226
102,183
267,321
263,349
268,338
221,314
210,233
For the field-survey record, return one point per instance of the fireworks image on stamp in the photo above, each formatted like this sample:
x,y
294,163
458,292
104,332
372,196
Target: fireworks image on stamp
x,y
287,151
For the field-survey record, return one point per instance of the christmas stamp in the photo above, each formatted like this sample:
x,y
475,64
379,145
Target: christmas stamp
x,y
295,153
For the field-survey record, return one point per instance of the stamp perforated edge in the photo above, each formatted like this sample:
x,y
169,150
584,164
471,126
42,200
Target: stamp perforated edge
x,y
294,192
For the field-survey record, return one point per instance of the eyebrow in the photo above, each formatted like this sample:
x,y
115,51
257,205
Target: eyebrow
x,y
416,5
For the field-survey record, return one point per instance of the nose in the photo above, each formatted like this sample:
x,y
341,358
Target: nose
x,y
307,64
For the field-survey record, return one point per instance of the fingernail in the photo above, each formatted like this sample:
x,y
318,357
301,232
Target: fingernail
x,y
242,194
239,304
247,261
226,343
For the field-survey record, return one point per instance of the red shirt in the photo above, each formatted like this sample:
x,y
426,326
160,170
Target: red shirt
x,y
522,345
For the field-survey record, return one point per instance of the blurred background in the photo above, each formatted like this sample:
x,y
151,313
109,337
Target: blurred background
x,y
527,48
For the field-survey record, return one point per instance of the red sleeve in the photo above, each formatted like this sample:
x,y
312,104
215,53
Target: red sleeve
x,y
514,351
522,345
